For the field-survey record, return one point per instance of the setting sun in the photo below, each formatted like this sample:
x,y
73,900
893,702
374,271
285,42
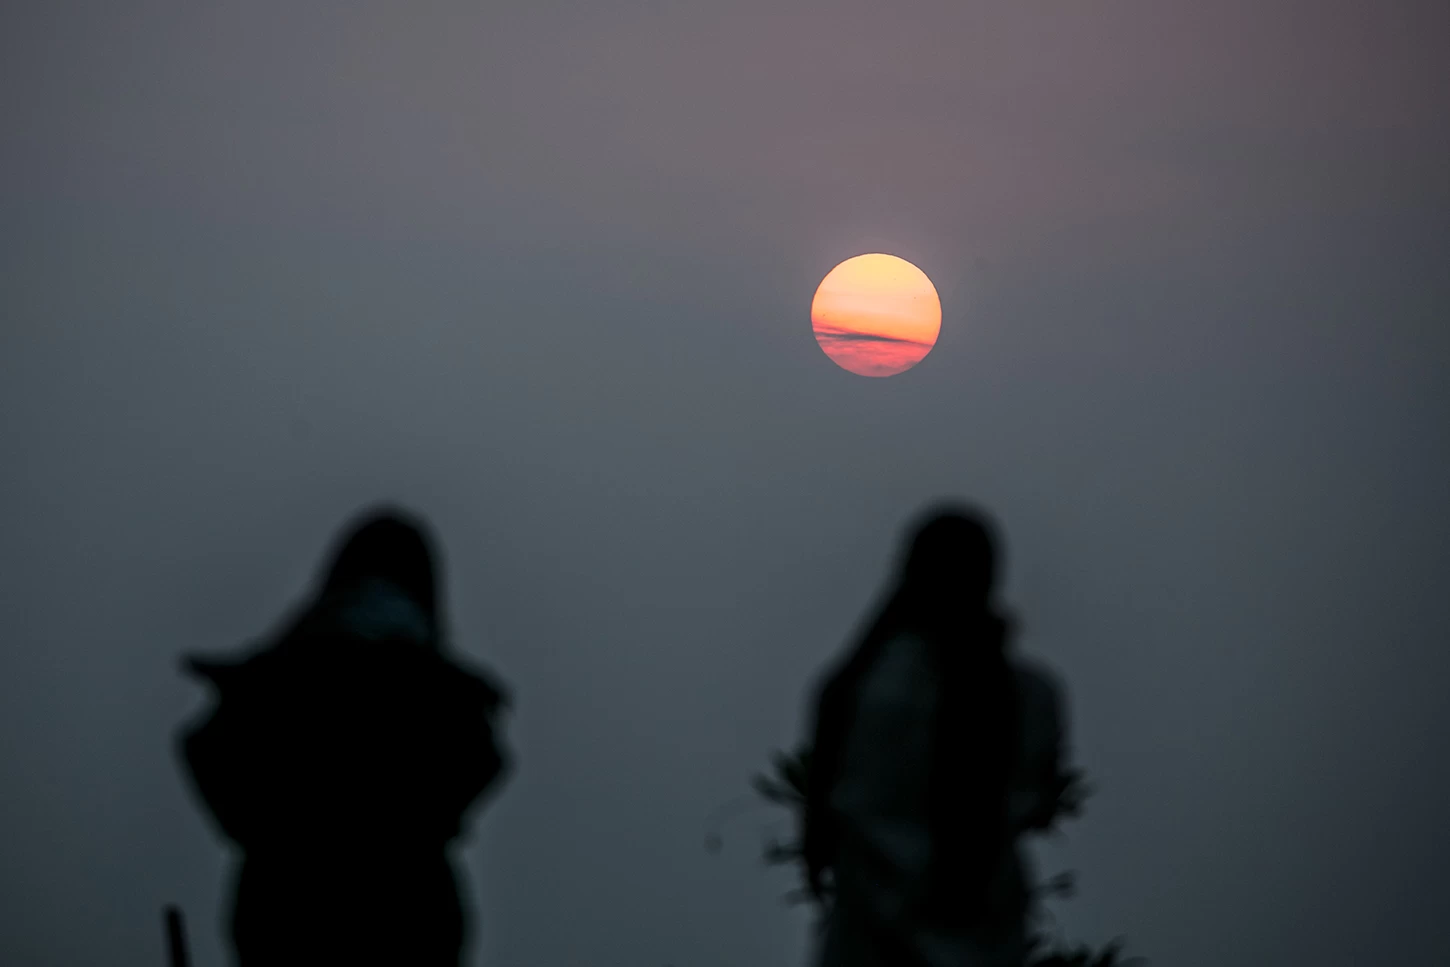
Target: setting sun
x,y
876,315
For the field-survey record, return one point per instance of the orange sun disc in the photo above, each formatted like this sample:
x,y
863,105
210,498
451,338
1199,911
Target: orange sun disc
x,y
876,315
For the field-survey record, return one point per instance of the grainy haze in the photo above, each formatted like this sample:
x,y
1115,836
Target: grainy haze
x,y
542,271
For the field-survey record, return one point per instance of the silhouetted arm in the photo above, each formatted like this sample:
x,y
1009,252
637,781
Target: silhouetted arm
x,y
221,772
477,764
485,767
1048,779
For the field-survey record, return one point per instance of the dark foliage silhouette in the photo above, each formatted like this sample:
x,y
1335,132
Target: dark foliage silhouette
x,y
341,758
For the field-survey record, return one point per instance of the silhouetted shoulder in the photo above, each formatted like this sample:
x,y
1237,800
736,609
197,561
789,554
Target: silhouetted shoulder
x,y
1038,687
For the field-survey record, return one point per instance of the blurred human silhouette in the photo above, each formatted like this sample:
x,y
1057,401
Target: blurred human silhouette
x,y
341,758
933,753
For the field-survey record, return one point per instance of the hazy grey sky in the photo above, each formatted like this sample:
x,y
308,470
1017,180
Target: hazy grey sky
x,y
542,271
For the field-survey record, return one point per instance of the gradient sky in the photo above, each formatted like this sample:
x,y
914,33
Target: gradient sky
x,y
538,270
876,315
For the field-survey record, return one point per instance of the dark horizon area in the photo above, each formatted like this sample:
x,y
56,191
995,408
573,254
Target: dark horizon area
x,y
542,272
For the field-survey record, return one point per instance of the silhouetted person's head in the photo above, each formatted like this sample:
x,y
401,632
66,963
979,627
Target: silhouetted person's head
x,y
952,557
386,544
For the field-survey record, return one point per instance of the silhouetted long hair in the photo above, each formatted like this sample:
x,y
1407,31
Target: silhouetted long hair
x,y
944,595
